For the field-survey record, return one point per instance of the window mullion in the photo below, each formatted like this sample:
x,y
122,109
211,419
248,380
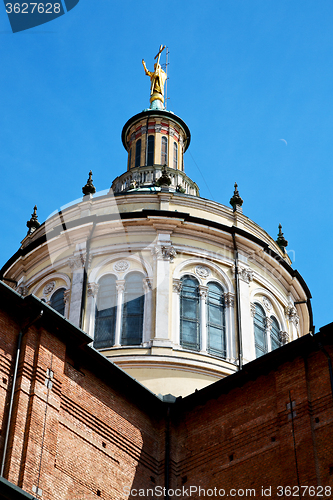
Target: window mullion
x,y
120,286
268,327
203,291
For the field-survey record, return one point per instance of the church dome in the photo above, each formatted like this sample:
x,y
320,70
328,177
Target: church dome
x,y
177,290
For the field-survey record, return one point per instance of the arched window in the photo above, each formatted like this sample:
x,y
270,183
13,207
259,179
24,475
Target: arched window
x,y
216,320
164,151
151,147
57,301
260,331
175,155
132,325
106,312
138,153
275,334
189,313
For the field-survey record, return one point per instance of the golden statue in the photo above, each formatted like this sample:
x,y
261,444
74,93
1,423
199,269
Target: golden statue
x,y
157,78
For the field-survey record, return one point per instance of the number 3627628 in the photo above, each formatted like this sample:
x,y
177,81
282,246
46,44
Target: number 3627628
x,y
32,8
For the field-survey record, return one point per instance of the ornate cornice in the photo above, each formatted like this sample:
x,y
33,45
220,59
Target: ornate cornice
x,y
268,324
244,273
120,286
203,291
147,285
291,314
284,338
23,290
177,285
79,261
93,289
229,299
164,252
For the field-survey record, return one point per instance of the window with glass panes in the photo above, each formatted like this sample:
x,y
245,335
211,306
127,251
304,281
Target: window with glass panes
x,y
164,151
138,153
151,147
260,331
57,301
175,155
106,312
275,334
132,321
189,313
216,320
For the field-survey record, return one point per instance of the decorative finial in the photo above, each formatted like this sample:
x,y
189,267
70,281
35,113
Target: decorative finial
x,y
89,188
236,201
281,241
157,79
33,223
165,179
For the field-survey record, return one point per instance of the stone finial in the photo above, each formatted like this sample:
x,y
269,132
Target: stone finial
x,y
236,201
165,179
89,188
33,223
281,241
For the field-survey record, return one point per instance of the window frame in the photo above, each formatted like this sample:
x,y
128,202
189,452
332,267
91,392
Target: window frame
x,y
126,315
221,353
272,331
195,321
175,155
63,306
263,328
108,342
150,150
137,153
164,150
275,336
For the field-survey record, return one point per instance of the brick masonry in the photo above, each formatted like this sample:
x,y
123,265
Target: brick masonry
x,y
82,429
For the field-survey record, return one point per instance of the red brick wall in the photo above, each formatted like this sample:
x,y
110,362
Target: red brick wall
x,y
83,432
245,439
80,438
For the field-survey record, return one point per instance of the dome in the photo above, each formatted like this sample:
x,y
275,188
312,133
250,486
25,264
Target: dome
x,y
177,290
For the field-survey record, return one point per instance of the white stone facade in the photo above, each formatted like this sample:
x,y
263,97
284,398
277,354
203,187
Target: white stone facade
x,y
122,235
199,266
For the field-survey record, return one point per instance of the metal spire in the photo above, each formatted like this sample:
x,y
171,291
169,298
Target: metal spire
x,y
281,241
89,188
33,223
236,200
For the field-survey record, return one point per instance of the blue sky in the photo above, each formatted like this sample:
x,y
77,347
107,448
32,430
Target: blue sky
x,y
244,74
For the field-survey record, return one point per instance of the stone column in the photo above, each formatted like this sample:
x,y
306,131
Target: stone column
x,y
203,291
89,322
268,324
245,277
229,301
176,290
164,254
147,313
120,285
77,264
67,294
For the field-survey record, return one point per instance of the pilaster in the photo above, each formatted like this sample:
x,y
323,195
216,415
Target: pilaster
x,y
76,264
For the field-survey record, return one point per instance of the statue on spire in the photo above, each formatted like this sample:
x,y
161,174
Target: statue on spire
x,y
157,78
